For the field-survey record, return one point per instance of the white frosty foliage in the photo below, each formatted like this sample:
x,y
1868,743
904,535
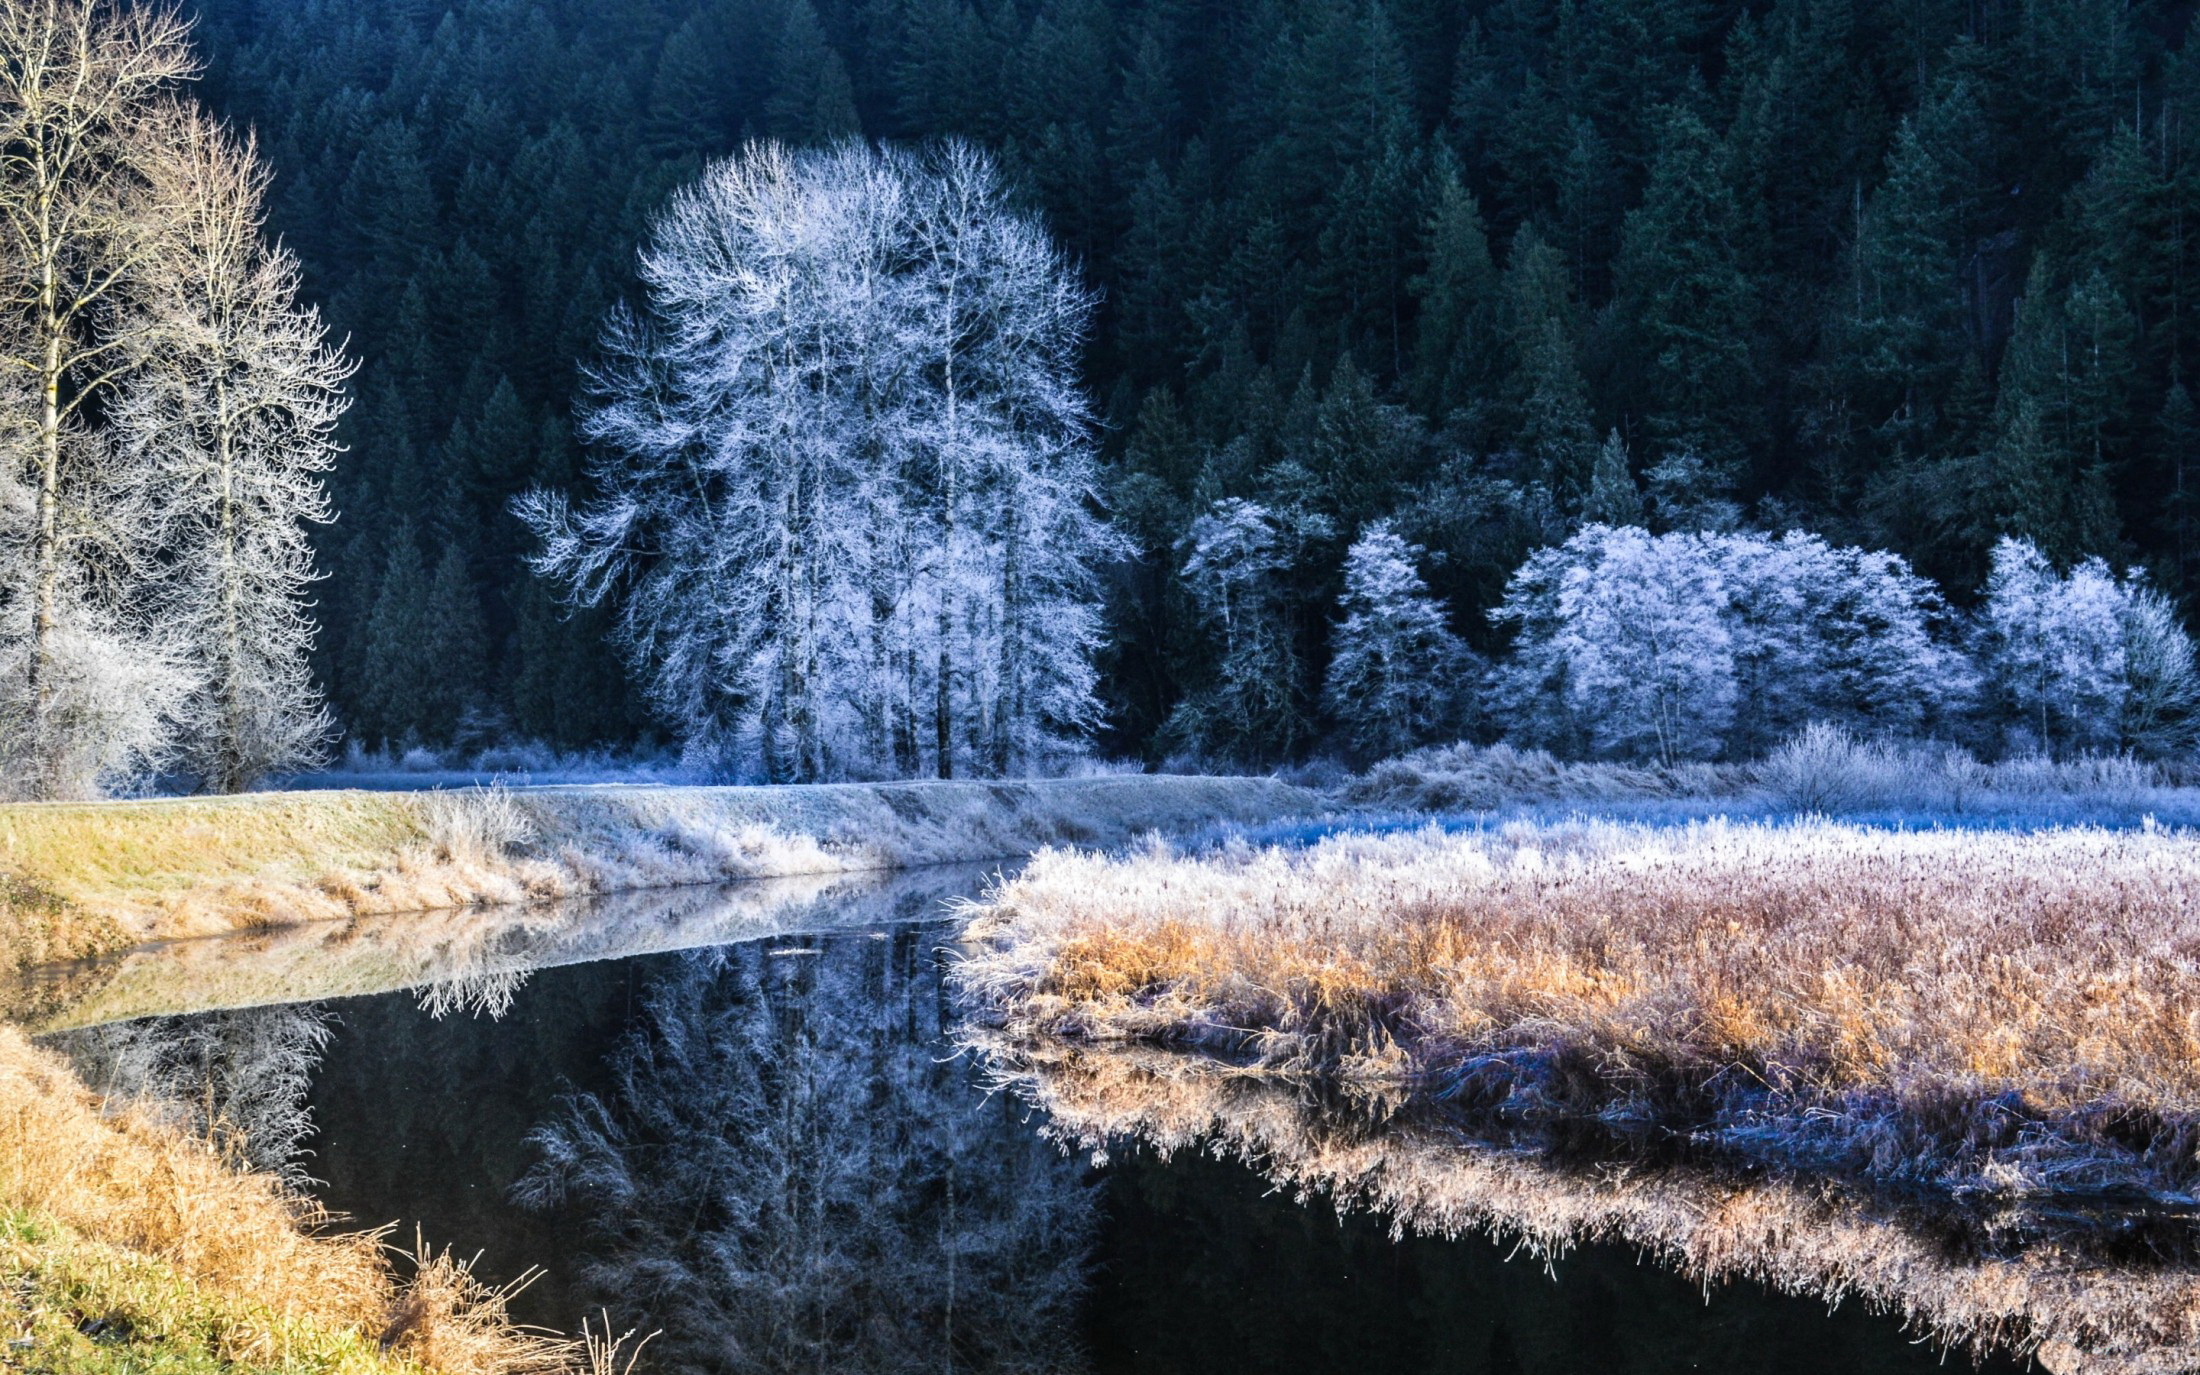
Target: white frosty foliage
x,y
1397,673
848,511
231,410
1236,557
2083,661
1688,646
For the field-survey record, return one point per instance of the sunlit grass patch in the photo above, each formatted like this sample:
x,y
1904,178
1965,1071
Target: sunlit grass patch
x,y
80,878
113,1214
1970,1011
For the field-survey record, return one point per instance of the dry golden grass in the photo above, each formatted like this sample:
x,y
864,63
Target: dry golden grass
x,y
79,878
2070,1311
1976,1011
261,1267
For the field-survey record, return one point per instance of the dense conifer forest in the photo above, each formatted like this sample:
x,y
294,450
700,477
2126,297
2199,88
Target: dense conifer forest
x,y
1911,276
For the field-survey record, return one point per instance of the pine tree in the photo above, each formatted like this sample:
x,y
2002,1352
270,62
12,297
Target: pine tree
x,y
1555,436
395,699
1456,350
1398,677
1689,303
449,660
1614,499
812,100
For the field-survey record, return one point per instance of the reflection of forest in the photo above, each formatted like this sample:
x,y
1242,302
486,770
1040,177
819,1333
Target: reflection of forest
x,y
238,1077
1237,1274
787,1173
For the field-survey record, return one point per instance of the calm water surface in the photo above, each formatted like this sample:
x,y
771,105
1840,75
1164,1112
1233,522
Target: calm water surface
x,y
770,1151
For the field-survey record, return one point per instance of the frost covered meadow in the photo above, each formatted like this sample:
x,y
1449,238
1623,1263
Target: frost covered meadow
x,y
1965,1013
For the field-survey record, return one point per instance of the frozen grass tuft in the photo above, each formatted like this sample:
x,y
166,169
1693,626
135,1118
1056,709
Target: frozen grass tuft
x,y
1822,770
1975,1013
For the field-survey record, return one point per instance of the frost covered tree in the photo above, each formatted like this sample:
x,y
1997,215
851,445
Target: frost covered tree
x,y
2082,661
1689,646
847,503
2052,647
230,407
87,674
1398,676
1838,635
1626,635
1236,557
2161,713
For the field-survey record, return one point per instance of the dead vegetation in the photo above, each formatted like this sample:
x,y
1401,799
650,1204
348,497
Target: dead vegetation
x,y
1823,769
155,1225
2069,1310
1983,1014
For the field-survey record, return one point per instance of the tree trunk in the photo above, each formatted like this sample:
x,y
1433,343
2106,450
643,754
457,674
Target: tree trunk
x,y
48,587
229,750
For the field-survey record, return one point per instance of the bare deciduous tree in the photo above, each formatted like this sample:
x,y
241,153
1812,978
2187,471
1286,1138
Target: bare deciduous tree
x,y
847,498
231,408
81,90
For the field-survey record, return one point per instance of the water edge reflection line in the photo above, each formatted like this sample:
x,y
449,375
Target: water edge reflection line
x,y
440,952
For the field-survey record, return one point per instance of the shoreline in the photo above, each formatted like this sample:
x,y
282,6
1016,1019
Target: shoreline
x,y
79,880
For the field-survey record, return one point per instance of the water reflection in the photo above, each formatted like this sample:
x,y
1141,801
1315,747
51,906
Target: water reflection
x,y
785,1174
238,1077
773,1151
464,959
2071,1307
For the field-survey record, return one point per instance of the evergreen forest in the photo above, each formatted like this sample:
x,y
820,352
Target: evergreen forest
x,y
1909,276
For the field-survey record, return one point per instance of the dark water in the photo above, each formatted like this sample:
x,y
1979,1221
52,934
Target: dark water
x,y
771,1153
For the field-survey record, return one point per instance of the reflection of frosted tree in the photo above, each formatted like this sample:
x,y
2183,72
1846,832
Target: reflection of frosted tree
x,y
239,1078
789,1175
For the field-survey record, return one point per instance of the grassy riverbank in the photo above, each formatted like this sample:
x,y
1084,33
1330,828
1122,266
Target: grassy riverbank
x,y
129,1246
1969,1013
78,879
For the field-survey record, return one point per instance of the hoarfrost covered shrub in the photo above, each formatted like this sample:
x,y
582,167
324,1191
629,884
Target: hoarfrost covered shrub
x,y
112,683
1398,676
1467,777
1825,769
846,506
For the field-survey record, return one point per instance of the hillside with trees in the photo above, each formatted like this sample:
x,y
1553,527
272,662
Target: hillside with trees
x,y
1913,279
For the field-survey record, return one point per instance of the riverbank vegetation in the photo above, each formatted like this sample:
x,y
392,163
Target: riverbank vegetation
x,y
1977,1013
84,877
128,1241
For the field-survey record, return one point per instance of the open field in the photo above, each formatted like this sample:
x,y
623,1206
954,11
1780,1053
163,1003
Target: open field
x,y
1958,1013
2068,1306
80,878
